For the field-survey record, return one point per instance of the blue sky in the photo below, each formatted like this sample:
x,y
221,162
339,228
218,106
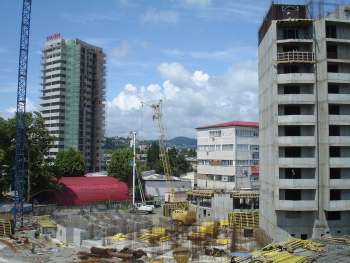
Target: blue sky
x,y
198,55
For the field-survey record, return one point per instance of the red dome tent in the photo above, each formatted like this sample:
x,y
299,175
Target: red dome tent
x,y
90,190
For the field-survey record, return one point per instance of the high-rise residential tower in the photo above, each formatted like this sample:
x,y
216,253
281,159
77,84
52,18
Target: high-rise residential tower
x,y
304,105
72,102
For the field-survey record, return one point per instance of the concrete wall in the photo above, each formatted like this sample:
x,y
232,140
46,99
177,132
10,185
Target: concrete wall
x,y
159,188
220,206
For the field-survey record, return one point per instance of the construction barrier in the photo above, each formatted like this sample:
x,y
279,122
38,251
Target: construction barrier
x,y
168,208
240,220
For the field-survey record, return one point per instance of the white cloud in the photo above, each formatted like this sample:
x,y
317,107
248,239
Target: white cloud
x,y
174,72
121,52
200,78
191,99
154,16
11,111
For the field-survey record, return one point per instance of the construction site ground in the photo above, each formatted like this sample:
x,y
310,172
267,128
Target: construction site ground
x,y
153,238
25,247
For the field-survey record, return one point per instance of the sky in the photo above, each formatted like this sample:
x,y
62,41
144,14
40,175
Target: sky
x,y
198,56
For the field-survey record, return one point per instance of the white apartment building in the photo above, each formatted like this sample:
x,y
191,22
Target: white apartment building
x,y
304,105
228,155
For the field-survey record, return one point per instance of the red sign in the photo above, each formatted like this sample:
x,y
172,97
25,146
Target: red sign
x,y
254,170
53,37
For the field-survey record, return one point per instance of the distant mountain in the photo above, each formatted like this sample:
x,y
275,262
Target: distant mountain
x,y
182,142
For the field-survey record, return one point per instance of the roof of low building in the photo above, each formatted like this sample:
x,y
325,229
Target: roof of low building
x,y
232,124
89,190
159,177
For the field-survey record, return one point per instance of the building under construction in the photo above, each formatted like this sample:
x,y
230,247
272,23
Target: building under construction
x,y
304,109
73,94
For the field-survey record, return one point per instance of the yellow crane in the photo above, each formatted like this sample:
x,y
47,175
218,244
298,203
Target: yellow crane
x,y
163,153
184,217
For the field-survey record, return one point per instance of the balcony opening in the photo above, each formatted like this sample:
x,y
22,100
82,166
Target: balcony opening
x,y
332,51
339,173
334,151
339,67
291,90
334,130
334,173
292,110
331,31
297,173
342,88
285,89
295,109
333,109
339,109
333,68
333,88
295,67
292,152
297,194
292,173
292,194
290,33
296,130
333,215
334,194
292,130
294,31
339,151
339,194
290,69
296,152
290,48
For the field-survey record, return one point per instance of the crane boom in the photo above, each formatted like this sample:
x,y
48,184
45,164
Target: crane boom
x,y
20,170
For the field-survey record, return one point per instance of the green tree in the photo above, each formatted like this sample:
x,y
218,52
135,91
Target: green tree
x,y
120,165
38,141
153,160
69,163
6,160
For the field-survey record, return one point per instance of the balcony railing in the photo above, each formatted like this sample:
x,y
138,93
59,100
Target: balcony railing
x,y
295,57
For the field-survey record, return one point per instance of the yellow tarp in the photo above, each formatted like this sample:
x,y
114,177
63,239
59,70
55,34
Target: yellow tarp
x,y
46,222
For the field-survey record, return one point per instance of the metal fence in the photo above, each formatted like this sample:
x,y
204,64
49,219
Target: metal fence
x,y
295,56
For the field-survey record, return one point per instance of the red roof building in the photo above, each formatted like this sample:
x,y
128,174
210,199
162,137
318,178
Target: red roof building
x,y
232,124
89,190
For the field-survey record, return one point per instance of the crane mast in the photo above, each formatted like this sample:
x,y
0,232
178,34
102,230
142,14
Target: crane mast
x,y
20,169
157,118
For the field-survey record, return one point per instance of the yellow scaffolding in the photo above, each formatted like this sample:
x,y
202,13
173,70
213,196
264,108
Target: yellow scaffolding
x,y
240,220
5,228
